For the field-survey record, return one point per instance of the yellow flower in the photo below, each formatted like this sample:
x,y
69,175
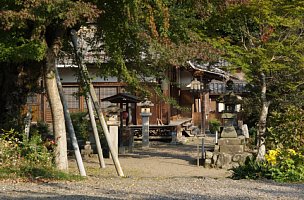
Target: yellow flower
x,y
271,157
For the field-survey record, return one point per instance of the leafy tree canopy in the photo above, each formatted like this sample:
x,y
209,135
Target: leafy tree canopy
x,y
263,37
29,26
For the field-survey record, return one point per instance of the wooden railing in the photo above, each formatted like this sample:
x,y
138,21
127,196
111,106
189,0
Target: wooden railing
x,y
220,88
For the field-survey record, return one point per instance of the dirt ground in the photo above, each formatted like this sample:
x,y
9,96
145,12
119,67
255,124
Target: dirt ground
x,y
164,171
161,159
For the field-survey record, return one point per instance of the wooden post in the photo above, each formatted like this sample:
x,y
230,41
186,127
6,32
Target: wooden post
x,y
95,132
86,79
198,154
69,126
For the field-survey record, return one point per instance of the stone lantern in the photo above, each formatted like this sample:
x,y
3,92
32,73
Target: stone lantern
x,y
229,116
145,114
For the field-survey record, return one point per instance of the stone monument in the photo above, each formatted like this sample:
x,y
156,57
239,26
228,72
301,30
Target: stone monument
x,y
145,114
230,151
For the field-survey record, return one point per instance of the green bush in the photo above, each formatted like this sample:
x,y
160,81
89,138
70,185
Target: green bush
x,y
81,125
286,129
282,165
28,158
286,165
17,152
214,125
250,170
41,128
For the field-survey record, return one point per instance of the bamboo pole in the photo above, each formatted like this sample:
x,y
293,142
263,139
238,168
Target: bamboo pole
x,y
86,79
95,131
69,126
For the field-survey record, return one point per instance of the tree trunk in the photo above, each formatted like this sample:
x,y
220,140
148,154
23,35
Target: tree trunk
x,y
59,130
262,121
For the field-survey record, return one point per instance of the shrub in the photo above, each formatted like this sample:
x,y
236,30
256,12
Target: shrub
x,y
286,165
28,158
286,129
282,165
250,170
81,125
17,152
41,128
214,125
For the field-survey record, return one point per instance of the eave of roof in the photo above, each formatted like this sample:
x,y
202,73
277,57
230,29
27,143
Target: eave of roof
x,y
122,98
211,69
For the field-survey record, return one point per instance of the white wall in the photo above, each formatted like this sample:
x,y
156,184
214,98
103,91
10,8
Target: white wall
x,y
68,75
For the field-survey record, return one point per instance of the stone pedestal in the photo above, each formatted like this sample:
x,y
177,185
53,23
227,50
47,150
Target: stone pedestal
x,y
113,131
145,129
229,130
231,145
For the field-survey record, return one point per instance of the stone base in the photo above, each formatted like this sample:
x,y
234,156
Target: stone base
x,y
232,149
225,160
231,141
229,132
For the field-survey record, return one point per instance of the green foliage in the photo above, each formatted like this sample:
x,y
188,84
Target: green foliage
x,y
282,165
287,165
149,36
34,152
35,173
41,128
31,159
265,37
250,170
286,128
27,30
16,150
81,125
18,156
214,125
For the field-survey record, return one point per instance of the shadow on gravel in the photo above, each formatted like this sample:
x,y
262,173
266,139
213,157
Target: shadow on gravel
x,y
295,192
184,152
123,195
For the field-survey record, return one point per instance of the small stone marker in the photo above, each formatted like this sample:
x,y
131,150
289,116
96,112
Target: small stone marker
x,y
87,151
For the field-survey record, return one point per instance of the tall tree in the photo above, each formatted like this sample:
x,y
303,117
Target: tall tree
x,y
149,36
266,39
32,31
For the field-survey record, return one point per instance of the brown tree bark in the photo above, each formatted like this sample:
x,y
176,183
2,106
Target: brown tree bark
x,y
59,128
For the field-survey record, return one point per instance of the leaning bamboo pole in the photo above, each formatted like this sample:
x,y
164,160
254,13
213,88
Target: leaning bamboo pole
x,y
95,132
69,126
86,79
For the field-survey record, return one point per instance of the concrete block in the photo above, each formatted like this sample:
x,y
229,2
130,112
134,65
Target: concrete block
x,y
232,149
231,141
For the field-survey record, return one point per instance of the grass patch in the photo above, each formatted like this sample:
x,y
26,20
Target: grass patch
x,y
37,173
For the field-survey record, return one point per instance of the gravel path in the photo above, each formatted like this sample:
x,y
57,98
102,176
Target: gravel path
x,y
162,172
